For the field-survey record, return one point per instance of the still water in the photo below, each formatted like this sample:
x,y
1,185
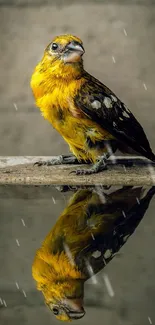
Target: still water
x,y
107,235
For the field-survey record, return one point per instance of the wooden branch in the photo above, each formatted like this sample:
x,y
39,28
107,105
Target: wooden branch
x,y
22,171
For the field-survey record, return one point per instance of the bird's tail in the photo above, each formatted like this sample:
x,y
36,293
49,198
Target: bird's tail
x,y
150,156
137,150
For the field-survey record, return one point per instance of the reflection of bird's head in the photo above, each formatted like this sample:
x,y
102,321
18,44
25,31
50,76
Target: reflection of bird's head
x,y
65,299
68,309
63,294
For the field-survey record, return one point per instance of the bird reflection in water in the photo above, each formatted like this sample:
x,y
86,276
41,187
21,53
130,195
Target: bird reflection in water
x,y
92,228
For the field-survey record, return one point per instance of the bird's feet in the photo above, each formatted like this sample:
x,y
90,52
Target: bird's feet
x,y
59,160
98,167
82,172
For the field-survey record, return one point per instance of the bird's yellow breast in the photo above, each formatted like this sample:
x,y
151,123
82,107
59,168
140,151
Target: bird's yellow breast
x,y
56,103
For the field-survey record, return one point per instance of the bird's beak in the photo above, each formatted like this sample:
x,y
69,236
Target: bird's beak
x,y
73,52
75,47
74,308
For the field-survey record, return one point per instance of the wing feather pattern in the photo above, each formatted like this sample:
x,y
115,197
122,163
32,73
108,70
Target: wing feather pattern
x,y
102,106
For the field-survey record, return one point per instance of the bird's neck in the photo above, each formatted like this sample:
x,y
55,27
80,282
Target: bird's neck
x,y
53,84
48,76
62,72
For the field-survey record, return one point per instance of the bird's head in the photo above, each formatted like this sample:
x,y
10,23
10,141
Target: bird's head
x,y
62,59
67,48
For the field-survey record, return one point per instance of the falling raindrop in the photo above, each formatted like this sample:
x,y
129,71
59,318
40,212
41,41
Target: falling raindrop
x,y
113,59
125,33
23,222
17,285
53,199
69,254
144,85
92,236
24,293
124,215
91,272
15,106
150,320
17,241
137,200
4,302
108,285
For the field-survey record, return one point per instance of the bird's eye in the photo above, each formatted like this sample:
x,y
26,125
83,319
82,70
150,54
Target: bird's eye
x,y
55,311
54,46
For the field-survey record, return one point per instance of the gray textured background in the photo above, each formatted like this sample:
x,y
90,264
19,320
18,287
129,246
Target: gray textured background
x,y
25,32
121,29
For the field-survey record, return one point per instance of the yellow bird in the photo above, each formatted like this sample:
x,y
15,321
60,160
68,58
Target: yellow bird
x,y
87,235
88,115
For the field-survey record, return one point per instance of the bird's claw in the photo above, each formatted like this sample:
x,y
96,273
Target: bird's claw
x,y
59,160
52,162
82,172
38,163
42,163
96,169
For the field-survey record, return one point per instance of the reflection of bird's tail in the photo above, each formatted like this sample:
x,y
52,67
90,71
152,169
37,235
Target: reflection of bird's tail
x,y
137,213
147,194
145,191
152,191
118,214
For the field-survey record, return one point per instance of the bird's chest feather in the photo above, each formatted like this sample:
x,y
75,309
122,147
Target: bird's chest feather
x,y
59,109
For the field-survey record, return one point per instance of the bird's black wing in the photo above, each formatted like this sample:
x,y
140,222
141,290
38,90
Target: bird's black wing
x,y
101,105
